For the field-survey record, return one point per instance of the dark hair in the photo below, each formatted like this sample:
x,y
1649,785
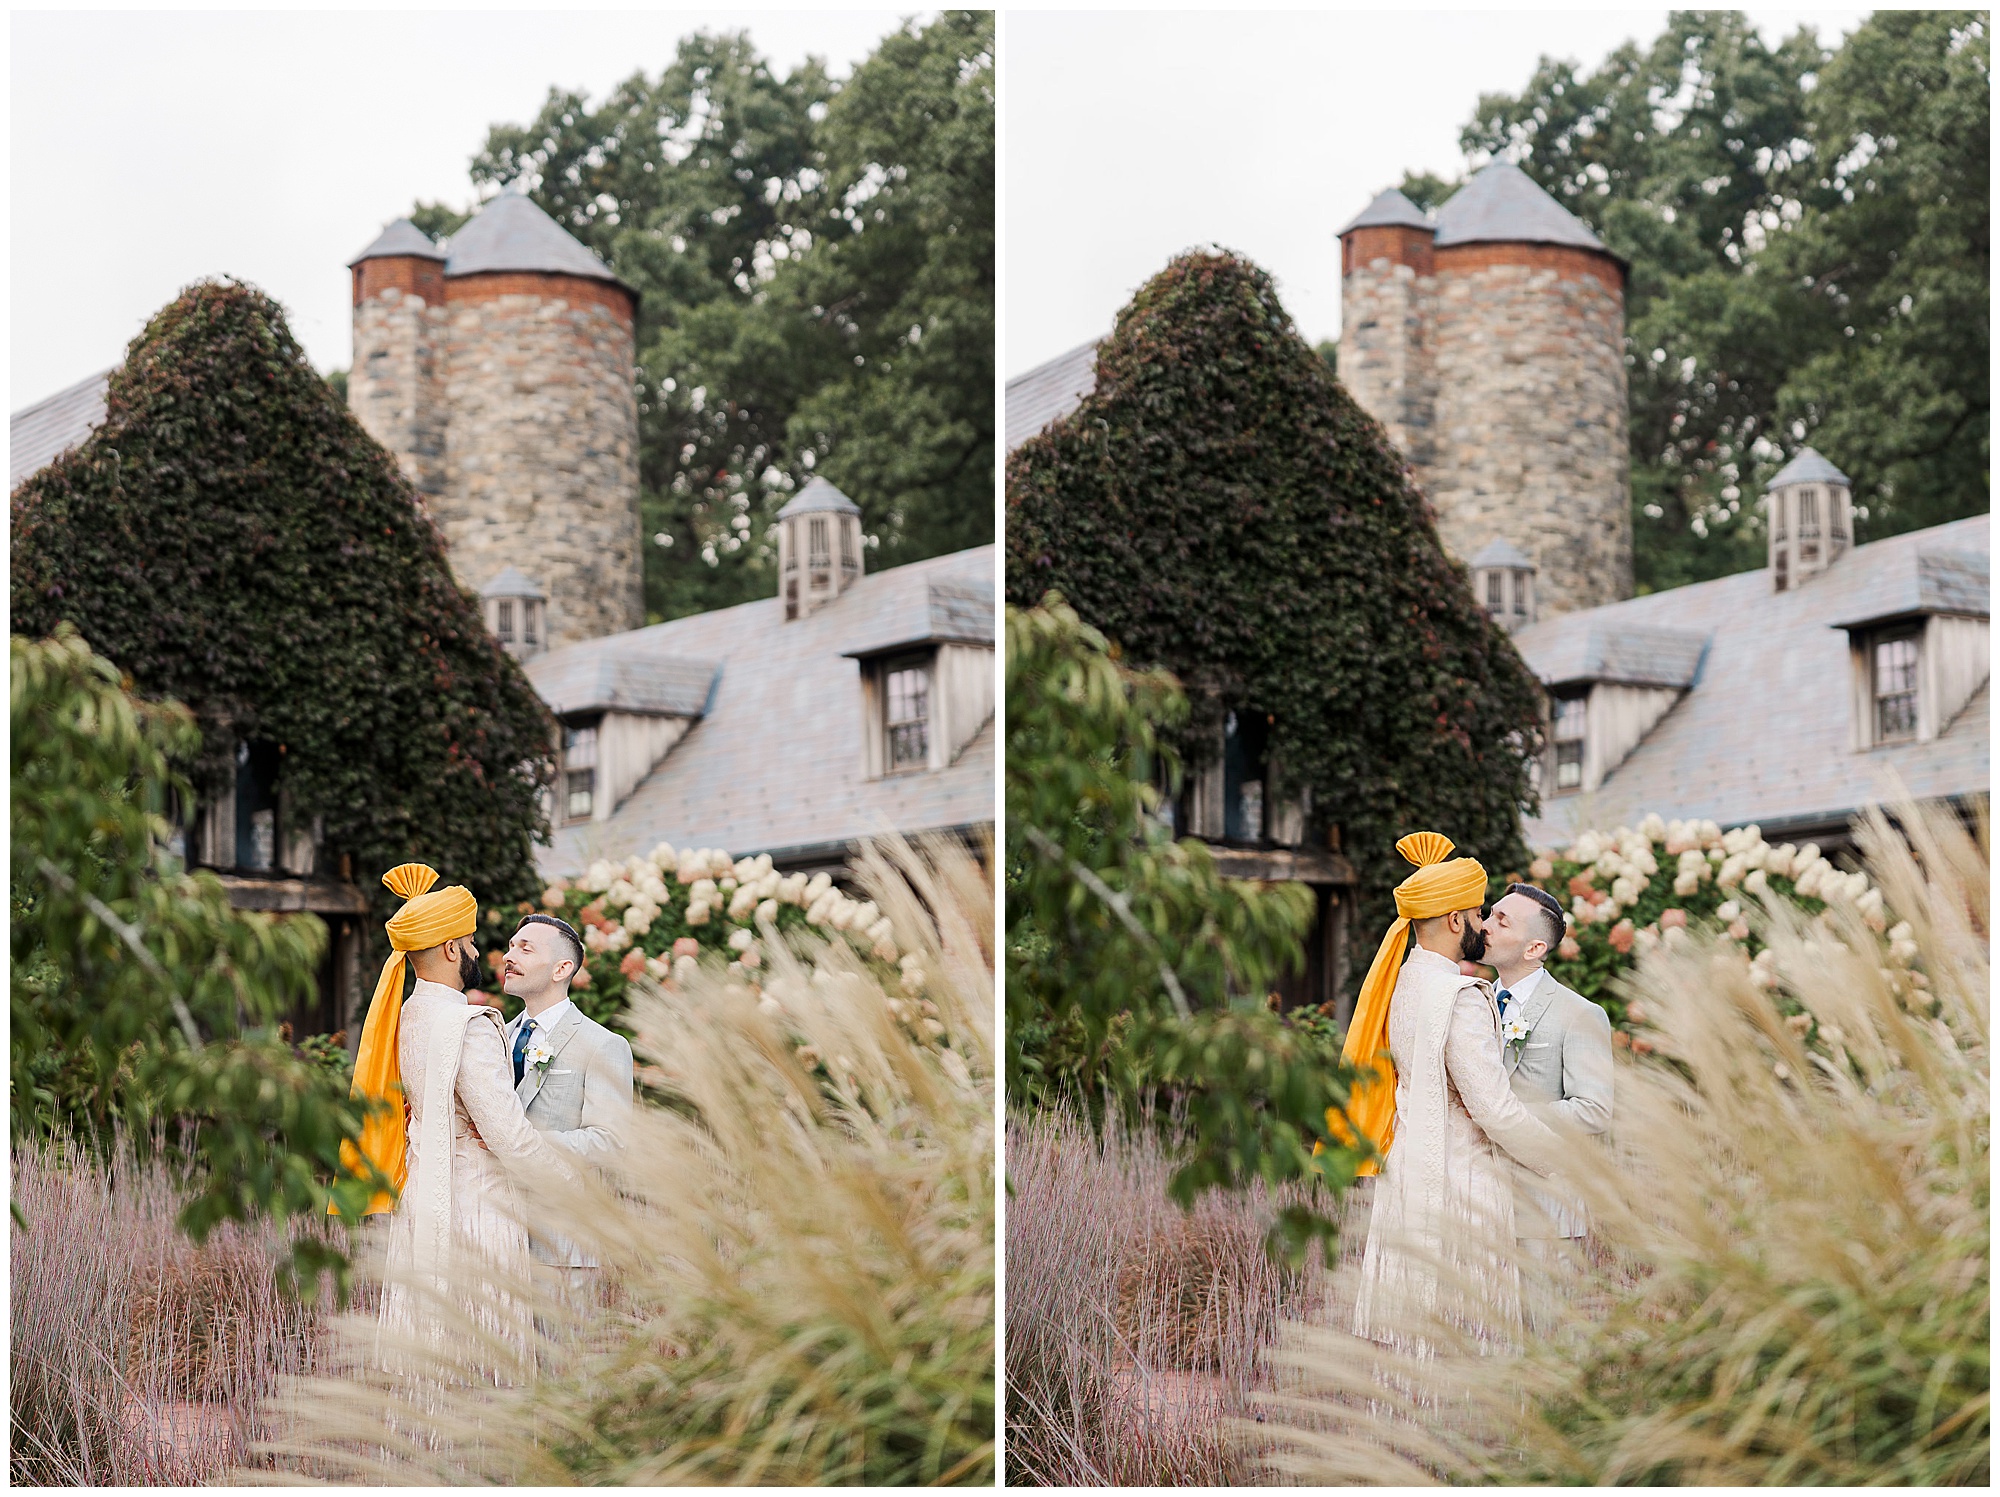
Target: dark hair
x,y
569,934
1554,925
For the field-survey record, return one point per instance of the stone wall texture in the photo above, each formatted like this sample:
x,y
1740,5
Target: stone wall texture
x,y
508,399
1499,370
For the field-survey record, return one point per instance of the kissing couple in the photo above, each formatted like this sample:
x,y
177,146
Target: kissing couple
x,y
482,1118
1469,1084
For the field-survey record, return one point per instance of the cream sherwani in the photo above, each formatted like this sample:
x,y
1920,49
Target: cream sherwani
x,y
467,1134
1441,1233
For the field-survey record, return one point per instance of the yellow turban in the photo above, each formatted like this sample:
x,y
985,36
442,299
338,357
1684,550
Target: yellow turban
x,y
1436,888
429,918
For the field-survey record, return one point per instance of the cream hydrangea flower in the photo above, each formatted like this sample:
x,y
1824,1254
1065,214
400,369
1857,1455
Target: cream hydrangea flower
x,y
767,910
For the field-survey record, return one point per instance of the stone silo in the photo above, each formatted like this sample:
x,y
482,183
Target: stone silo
x,y
499,370
1490,342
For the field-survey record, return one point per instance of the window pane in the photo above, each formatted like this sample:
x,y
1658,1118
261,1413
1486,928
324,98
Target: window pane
x,y
581,784
907,713
1495,602
1895,688
503,625
1570,714
531,626
1569,765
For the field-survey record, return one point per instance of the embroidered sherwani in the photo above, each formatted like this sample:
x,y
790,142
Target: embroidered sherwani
x,y
1441,1233
459,1215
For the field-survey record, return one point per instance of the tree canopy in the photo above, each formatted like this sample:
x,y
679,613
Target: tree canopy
x,y
1221,508
815,269
1809,232
232,539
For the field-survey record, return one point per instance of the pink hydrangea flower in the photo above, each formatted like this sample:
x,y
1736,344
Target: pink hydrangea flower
x,y
687,946
1669,919
1621,937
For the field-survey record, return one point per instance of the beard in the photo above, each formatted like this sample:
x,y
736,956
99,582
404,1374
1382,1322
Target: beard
x,y
1472,945
468,967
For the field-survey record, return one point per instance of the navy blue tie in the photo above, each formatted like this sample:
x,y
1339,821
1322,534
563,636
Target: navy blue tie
x,y
521,1048
1503,995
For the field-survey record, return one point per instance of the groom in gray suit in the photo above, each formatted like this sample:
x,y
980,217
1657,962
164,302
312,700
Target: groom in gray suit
x,y
573,1076
1563,1069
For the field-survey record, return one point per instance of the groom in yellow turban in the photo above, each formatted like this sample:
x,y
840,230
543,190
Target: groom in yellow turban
x,y
1443,1118
432,936
1443,900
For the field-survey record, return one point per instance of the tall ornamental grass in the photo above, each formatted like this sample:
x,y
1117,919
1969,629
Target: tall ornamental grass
x,y
1134,1328
1789,1282
137,1358
798,1250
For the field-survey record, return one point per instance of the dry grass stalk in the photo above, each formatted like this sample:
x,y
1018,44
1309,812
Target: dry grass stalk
x,y
1790,1282
798,1265
1133,1328
137,1358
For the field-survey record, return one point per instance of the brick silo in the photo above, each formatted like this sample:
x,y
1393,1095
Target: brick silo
x,y
500,372
1490,342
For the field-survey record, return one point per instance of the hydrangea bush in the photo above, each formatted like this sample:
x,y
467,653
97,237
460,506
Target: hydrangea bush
x,y
662,913
1631,890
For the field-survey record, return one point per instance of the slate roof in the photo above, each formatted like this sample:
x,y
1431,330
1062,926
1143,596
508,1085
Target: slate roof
x,y
1932,580
512,582
40,433
1631,654
578,678
775,763
1763,734
1389,207
1807,467
1504,204
819,497
1048,392
1502,553
400,238
512,233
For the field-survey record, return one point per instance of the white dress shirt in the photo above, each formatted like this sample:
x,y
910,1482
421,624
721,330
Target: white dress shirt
x,y
1522,991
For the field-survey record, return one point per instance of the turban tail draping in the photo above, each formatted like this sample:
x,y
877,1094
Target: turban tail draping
x,y
427,919
1436,888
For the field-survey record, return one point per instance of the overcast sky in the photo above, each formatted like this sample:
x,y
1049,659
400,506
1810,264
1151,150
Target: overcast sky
x,y
1130,137
153,149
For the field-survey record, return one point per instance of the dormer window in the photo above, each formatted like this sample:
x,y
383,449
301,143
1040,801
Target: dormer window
x,y
927,688
1922,651
515,609
1503,579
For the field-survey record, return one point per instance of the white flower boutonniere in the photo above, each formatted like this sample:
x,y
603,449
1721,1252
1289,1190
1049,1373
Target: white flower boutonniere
x,y
539,1054
1514,1029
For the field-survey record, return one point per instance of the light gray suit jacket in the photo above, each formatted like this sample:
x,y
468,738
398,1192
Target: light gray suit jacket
x,y
1563,1071
582,1100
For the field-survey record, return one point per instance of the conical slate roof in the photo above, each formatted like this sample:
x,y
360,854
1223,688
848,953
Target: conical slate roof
x,y
512,233
1808,467
401,238
512,582
1504,204
1502,553
819,498
1390,207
